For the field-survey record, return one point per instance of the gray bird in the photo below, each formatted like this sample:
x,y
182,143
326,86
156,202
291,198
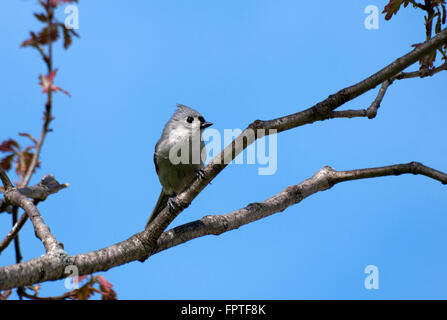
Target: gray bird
x,y
181,140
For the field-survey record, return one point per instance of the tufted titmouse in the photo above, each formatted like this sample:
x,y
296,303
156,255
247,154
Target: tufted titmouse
x,y
178,154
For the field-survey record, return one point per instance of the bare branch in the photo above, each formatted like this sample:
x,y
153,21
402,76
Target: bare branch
x,y
29,272
142,244
15,211
318,112
321,110
14,197
4,207
419,5
64,296
13,233
371,111
322,180
5,180
47,186
421,73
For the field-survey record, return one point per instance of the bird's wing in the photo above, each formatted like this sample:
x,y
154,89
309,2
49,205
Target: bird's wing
x,y
155,162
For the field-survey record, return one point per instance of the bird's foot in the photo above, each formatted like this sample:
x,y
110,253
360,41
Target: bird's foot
x,y
171,203
200,173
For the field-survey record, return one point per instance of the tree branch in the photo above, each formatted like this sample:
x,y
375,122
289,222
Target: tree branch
x,y
321,110
63,296
318,112
47,186
19,256
371,111
14,232
29,272
142,244
324,179
421,73
48,105
14,197
4,207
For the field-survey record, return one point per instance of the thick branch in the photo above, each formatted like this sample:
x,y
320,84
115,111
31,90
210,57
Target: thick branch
x,y
4,207
322,180
320,111
29,272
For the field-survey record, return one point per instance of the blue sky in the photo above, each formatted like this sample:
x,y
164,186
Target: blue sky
x,y
236,61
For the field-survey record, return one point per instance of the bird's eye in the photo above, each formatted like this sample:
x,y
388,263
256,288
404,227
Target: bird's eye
x,y
190,119
201,119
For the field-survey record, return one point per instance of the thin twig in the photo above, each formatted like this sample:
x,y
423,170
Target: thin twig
x,y
19,257
14,232
371,111
48,105
48,59
420,73
64,296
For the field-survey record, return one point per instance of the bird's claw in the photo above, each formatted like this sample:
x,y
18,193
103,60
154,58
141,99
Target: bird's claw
x,y
201,173
171,203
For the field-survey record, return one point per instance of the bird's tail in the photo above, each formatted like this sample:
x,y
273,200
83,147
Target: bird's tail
x,y
161,204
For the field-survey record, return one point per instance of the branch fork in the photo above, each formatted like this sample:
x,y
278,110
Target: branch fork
x,y
15,197
152,240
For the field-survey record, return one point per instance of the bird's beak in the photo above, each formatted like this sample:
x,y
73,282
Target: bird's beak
x,y
205,125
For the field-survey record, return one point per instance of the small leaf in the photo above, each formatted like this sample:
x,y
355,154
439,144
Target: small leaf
x,y
67,37
41,17
6,146
393,7
48,34
106,287
46,82
33,41
6,162
24,134
85,292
